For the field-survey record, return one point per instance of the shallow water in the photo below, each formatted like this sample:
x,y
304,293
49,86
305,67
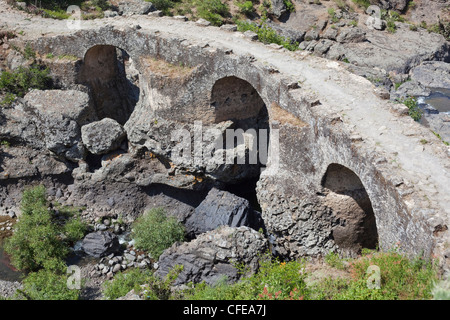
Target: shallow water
x,y
439,99
7,271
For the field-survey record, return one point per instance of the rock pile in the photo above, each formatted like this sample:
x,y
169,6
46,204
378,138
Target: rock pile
x,y
115,262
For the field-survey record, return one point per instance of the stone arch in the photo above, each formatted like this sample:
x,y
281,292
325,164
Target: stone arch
x,y
113,81
234,99
355,224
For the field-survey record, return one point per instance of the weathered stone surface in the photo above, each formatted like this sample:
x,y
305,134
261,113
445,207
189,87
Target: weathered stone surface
x,y
399,5
59,114
409,89
138,7
102,136
220,208
209,257
375,23
278,8
330,33
251,35
432,74
351,35
101,243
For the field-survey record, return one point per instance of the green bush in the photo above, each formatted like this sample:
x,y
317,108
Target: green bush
x,y
212,10
401,279
21,80
154,232
267,35
414,110
38,240
245,7
290,7
333,260
163,5
161,289
275,280
362,3
124,282
48,285
55,14
144,283
75,229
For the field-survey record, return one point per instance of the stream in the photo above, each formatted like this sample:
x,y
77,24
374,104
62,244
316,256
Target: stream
x,y
7,271
438,100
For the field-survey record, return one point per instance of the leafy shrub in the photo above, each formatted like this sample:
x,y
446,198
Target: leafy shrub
x,y
212,10
21,80
38,241
48,285
290,7
124,282
55,14
401,279
414,110
362,3
8,99
163,5
390,26
245,7
267,35
75,229
333,260
161,289
275,280
154,232
413,27
35,242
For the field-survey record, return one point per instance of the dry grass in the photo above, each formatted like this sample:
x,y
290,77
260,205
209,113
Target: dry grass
x,y
285,117
164,68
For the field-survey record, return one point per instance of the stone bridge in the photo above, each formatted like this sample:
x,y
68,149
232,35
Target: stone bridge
x,y
353,170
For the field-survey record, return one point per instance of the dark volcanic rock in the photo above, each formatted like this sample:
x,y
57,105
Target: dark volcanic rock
x,y
210,257
220,208
99,244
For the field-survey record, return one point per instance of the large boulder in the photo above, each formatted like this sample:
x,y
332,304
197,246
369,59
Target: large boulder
x,y
220,208
58,115
352,35
432,74
101,243
213,255
135,7
103,136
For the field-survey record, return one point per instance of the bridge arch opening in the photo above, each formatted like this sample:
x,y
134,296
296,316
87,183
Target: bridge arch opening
x,y
113,80
234,99
354,220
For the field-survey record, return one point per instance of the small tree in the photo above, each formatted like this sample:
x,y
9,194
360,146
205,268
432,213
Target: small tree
x,y
36,240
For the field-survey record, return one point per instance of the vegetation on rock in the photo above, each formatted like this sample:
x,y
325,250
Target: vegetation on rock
x,y
154,232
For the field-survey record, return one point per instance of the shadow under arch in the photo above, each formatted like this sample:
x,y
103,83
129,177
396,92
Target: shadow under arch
x,y
235,99
110,74
355,224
